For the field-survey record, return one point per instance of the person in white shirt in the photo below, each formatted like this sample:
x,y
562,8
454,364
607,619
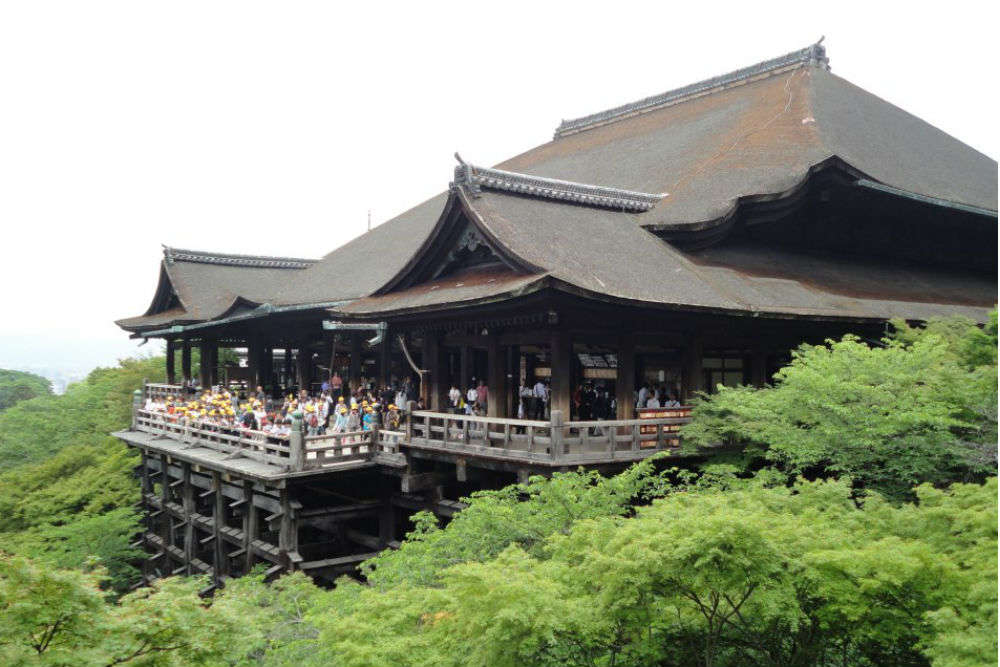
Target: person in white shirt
x,y
454,397
471,397
652,402
643,395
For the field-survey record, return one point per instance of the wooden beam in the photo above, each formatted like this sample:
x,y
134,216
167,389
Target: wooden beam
x,y
496,378
171,348
561,352
625,380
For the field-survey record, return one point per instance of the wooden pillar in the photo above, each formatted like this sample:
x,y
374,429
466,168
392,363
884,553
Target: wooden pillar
x,y
288,534
187,503
253,362
303,367
693,371
250,523
433,362
385,360
171,377
496,378
513,379
186,360
220,562
166,529
561,353
355,372
758,368
464,367
213,368
288,367
625,379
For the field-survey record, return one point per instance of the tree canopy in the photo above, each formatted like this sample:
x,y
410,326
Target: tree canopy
x,y
17,386
919,407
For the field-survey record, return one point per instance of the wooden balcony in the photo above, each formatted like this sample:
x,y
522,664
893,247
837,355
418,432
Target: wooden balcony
x,y
539,444
552,443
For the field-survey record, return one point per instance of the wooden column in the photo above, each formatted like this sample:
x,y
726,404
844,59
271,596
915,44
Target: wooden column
x,y
355,372
625,379
561,353
288,367
288,534
220,562
186,360
496,378
166,528
385,360
213,368
464,367
208,348
693,371
171,377
758,368
433,363
513,379
187,503
250,523
303,367
253,362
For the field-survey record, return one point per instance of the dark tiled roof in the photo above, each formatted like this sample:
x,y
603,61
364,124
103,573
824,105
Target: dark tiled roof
x,y
811,55
209,284
758,132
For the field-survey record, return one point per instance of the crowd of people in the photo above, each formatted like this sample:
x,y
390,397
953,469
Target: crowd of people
x,y
336,408
331,410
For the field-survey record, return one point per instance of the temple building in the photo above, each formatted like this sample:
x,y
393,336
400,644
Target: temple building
x,y
689,239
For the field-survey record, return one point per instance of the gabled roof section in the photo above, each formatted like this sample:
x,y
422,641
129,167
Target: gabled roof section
x,y
757,134
197,286
458,240
811,55
475,178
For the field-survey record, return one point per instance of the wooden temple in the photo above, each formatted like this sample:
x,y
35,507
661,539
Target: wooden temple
x,y
689,239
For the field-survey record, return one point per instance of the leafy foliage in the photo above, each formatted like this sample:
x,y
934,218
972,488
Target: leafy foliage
x,y
61,617
66,486
521,514
920,408
17,386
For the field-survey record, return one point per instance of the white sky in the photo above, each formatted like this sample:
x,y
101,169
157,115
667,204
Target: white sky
x,y
273,128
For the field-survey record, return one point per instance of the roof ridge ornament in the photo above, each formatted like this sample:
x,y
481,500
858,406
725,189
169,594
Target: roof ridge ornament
x,y
171,255
813,55
474,178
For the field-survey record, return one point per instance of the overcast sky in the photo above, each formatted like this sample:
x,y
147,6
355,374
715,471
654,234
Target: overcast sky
x,y
273,128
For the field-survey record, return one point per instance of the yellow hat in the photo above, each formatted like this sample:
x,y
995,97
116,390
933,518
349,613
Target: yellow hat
x,y
310,408
392,406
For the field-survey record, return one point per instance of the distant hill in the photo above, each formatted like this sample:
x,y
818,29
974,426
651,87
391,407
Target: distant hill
x,y
17,386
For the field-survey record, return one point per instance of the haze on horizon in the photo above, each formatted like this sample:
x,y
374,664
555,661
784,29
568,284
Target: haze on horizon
x,y
273,129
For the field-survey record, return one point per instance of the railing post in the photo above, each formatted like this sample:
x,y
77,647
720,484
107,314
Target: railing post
x,y
296,443
136,405
410,407
556,434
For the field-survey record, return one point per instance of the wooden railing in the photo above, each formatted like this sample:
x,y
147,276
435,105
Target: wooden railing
x,y
553,442
295,452
161,392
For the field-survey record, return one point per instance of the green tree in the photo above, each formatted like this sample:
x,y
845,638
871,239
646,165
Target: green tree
x,y
17,386
66,485
919,408
61,617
